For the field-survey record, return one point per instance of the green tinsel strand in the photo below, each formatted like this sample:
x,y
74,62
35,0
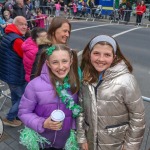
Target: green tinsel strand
x,y
71,143
32,139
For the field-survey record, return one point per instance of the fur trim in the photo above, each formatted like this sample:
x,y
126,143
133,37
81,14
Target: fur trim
x,y
43,41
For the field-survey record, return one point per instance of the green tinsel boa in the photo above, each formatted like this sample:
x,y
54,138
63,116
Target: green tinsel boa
x,y
71,143
32,140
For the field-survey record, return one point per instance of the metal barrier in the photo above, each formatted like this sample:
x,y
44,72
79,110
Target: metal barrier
x,y
147,99
44,19
114,17
6,97
120,18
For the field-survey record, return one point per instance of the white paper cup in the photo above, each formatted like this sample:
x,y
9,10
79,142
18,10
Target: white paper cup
x,y
58,115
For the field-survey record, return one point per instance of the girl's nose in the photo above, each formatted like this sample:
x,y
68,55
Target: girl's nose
x,y
101,58
67,34
60,65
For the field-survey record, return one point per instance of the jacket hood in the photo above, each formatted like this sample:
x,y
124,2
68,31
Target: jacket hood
x,y
29,45
43,41
11,28
117,70
45,73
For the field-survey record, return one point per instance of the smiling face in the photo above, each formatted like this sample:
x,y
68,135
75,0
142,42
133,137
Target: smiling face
x,y
21,24
60,66
61,35
102,57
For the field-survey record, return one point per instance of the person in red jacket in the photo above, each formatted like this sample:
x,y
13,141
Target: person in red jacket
x,y
140,10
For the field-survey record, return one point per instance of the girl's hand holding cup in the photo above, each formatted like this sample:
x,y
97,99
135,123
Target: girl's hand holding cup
x,y
55,121
53,125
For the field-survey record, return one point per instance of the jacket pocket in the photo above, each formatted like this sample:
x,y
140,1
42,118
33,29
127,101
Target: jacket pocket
x,y
115,133
118,129
117,125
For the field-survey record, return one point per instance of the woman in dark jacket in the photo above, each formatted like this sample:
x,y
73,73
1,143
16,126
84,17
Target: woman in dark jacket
x,y
127,12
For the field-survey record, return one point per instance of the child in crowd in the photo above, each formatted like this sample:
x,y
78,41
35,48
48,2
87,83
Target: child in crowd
x,y
7,17
31,51
74,6
40,19
57,6
65,9
54,89
113,109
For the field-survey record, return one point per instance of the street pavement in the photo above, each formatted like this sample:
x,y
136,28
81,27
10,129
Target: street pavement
x,y
10,138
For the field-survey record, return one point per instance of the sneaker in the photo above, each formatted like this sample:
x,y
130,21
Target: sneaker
x,y
13,123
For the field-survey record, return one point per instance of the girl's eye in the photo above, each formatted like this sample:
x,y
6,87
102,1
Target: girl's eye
x,y
107,55
95,53
65,61
54,62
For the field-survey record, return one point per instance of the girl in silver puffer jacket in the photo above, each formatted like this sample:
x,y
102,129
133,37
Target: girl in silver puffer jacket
x,y
113,116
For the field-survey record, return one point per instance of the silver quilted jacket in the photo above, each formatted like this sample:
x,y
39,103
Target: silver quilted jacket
x,y
113,119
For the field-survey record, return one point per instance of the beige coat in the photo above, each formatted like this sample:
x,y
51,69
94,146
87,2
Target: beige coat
x,y
114,118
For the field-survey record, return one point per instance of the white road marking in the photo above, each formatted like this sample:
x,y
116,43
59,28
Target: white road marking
x,y
91,27
115,35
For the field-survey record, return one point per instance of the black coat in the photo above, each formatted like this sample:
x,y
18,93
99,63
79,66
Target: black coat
x,y
127,13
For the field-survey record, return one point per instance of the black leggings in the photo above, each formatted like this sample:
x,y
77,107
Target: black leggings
x,y
51,148
139,18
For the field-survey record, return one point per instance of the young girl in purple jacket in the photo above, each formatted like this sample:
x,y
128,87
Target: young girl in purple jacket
x,y
55,88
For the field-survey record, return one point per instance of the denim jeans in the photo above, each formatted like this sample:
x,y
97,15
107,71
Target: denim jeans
x,y
16,94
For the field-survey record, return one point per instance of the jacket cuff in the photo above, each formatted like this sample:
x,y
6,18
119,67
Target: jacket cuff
x,y
40,128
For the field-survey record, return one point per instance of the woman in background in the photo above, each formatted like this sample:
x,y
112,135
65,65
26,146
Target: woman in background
x,y
140,10
59,30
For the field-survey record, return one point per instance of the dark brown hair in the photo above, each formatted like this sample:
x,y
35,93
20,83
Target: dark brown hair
x,y
55,24
36,31
90,74
73,73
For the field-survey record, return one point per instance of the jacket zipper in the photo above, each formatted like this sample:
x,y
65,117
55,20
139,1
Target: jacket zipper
x,y
58,107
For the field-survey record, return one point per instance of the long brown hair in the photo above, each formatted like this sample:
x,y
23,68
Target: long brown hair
x,y
55,24
90,74
73,73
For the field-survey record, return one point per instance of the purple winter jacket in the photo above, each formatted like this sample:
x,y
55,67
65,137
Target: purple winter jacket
x,y
37,103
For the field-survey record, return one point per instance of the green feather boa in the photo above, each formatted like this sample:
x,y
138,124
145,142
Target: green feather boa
x,y
33,141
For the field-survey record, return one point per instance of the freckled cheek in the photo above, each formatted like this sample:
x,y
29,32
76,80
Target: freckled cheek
x,y
95,58
112,61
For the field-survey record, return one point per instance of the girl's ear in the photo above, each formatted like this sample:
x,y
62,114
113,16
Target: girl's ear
x,y
115,56
71,61
47,63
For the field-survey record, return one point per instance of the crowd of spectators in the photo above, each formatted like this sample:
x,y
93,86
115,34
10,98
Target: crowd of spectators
x,y
39,10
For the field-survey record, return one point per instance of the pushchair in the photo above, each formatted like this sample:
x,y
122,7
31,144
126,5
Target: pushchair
x,y
114,15
98,12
